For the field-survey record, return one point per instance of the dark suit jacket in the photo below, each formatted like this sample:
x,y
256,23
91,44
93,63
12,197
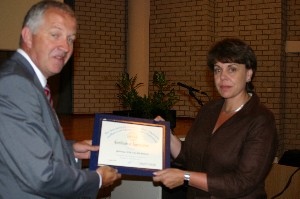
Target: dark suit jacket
x,y
35,160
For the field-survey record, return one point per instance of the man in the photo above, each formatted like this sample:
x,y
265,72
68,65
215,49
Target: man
x,y
35,159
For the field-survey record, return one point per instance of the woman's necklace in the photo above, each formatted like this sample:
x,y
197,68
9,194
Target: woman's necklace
x,y
235,110
238,108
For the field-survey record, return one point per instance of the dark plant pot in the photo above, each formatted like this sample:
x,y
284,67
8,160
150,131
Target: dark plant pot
x,y
122,113
130,113
169,116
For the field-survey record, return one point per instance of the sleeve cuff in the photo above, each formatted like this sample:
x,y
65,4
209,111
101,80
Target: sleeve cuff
x,y
100,180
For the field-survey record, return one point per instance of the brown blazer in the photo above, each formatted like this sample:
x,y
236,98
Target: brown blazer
x,y
237,157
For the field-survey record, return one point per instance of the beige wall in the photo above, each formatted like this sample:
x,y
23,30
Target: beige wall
x,y
12,13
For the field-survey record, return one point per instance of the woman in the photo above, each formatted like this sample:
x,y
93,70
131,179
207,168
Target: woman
x,y
231,145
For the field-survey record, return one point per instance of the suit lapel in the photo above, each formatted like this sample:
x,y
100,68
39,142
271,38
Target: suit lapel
x,y
33,77
30,74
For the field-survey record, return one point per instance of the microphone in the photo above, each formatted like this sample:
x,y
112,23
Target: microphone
x,y
188,87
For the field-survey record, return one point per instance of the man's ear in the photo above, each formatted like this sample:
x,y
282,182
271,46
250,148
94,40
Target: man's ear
x,y
27,37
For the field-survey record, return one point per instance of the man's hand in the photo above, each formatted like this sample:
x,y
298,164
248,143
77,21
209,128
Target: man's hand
x,y
109,175
82,149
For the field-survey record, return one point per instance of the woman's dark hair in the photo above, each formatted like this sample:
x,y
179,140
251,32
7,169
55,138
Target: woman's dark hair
x,y
232,50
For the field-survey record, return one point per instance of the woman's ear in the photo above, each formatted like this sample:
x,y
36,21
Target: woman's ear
x,y
249,75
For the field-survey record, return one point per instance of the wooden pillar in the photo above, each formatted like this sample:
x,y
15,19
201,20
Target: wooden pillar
x,y
138,42
138,64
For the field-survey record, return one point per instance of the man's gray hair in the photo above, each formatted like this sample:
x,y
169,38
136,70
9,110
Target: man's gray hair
x,y
35,14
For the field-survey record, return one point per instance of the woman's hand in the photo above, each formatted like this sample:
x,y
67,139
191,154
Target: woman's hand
x,y
171,177
175,142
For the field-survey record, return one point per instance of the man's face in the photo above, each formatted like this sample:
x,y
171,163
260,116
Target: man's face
x,y
51,46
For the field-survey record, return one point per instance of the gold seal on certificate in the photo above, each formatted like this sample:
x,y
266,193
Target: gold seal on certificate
x,y
135,146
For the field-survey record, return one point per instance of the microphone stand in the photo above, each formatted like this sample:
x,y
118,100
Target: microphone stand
x,y
194,96
191,92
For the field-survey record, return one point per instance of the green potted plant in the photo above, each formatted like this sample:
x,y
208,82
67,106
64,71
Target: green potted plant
x,y
159,103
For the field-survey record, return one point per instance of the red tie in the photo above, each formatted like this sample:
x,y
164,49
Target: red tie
x,y
48,94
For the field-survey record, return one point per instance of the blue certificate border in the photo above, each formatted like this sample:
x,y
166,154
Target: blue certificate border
x,y
93,165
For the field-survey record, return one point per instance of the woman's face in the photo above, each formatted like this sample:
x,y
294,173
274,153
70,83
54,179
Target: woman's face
x,y
231,78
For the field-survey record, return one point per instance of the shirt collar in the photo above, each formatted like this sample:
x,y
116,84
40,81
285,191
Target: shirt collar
x,y
37,71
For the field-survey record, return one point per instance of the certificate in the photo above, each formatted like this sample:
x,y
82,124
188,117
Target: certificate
x,y
132,145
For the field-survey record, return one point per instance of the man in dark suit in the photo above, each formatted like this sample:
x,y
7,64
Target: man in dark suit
x,y
35,159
